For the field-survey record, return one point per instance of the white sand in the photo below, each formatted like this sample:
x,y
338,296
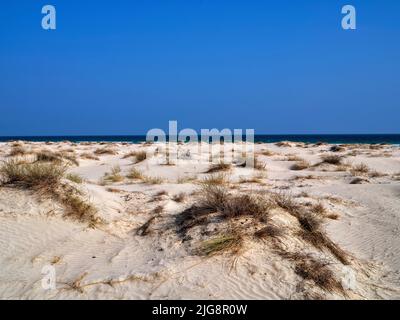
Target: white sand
x,y
112,261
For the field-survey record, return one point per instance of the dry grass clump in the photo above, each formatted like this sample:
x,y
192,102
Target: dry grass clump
x,y
89,156
229,205
286,202
105,151
114,175
300,165
318,208
337,148
318,272
188,179
219,167
77,207
129,155
46,178
268,232
215,179
311,225
231,242
55,157
257,178
360,169
36,175
140,156
135,174
152,180
215,203
312,233
18,150
332,159
283,144
74,178
48,156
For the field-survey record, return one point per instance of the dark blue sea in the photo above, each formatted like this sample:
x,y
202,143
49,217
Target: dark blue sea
x,y
328,138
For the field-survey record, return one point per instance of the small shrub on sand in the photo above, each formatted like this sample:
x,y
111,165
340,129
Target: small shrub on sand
x,y
332,159
31,175
300,165
224,243
219,167
74,178
360,169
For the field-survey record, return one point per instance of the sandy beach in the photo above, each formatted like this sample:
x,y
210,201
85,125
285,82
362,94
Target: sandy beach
x,y
122,221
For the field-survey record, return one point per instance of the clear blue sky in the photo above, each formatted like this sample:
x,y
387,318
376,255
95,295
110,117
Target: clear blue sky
x,y
124,67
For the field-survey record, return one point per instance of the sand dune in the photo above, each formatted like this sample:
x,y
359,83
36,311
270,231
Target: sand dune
x,y
119,256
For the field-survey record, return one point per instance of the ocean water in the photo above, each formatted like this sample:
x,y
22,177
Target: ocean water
x,y
328,138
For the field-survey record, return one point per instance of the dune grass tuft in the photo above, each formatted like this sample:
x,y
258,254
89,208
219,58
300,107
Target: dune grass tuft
x,y
219,167
46,178
223,243
332,159
300,165
36,175
74,177
105,151
134,174
360,170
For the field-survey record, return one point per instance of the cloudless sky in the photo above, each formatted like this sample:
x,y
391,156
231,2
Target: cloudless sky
x,y
124,67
